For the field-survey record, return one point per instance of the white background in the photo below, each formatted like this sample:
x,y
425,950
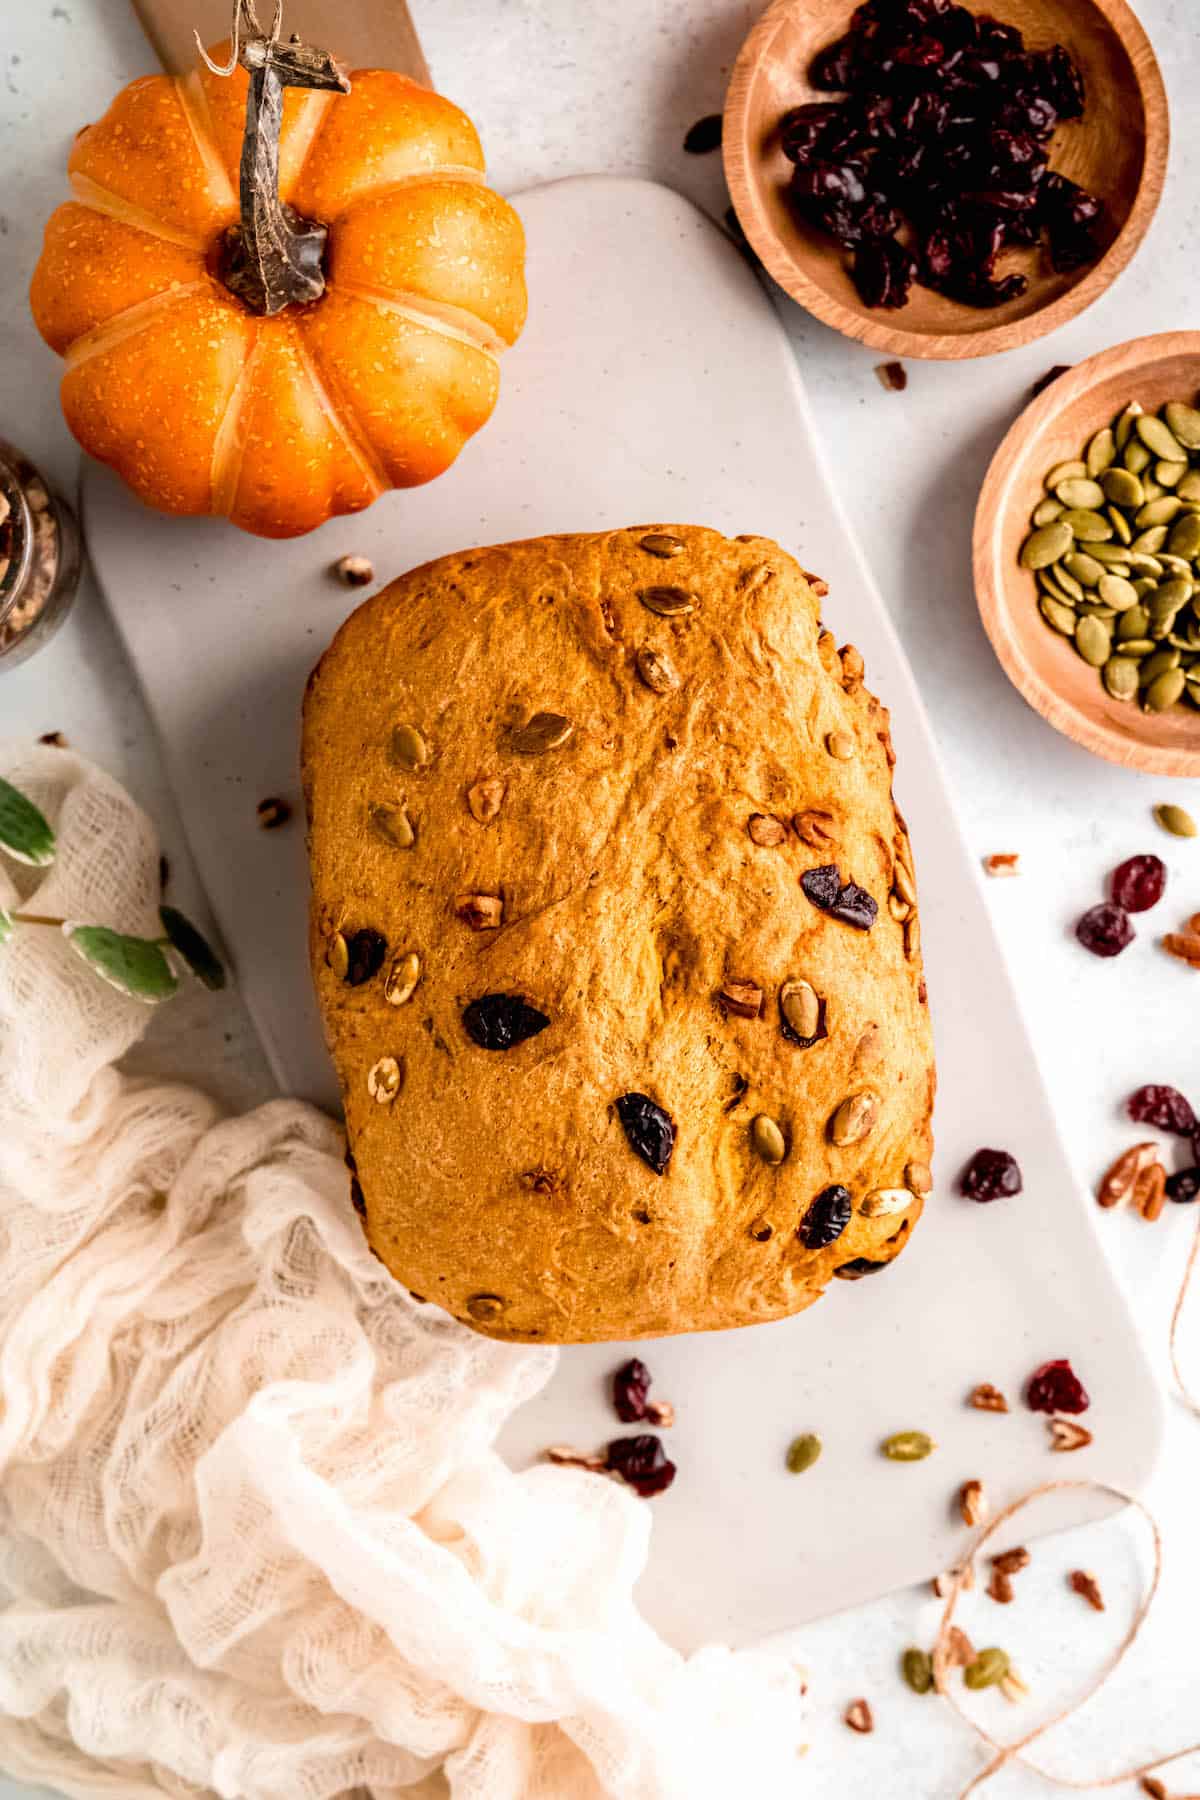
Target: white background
x,y
561,87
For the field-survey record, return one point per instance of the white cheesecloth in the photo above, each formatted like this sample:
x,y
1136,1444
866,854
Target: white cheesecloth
x,y
254,1539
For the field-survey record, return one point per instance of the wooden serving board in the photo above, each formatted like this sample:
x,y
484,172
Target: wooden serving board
x,y
654,383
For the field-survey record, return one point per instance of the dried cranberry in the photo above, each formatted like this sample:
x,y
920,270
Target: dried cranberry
x,y
857,1267
642,1462
1138,883
1183,1186
831,70
649,1130
366,950
498,1021
990,1175
704,136
1105,930
884,271
631,1390
826,1218
843,900
1164,1107
1056,1388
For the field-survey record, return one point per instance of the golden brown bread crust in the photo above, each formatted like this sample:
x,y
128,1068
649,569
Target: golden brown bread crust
x,y
501,1183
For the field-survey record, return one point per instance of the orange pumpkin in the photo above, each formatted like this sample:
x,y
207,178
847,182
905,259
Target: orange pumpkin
x,y
279,410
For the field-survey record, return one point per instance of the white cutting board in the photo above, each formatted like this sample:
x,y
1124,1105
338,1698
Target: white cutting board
x,y
654,383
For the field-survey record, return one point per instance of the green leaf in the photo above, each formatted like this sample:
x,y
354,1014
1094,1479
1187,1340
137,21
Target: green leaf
x,y
194,948
6,926
135,965
24,832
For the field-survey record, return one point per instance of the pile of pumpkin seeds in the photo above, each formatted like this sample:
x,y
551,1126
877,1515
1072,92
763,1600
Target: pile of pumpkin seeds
x,y
1116,551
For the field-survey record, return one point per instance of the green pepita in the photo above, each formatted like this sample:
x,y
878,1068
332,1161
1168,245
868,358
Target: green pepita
x,y
1169,474
1184,423
1158,512
1136,457
1093,641
1159,439
1057,614
1136,647
803,1452
987,1669
1083,567
1152,539
1122,488
1123,429
917,1665
1110,554
1121,677
1047,511
1165,657
1116,591
1067,582
1164,692
1135,623
1046,545
908,1446
1087,526
1101,452
1119,523
1185,538
1189,487
1065,471
1175,820
1080,492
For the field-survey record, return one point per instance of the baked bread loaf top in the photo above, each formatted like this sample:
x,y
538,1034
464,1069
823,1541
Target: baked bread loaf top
x,y
622,812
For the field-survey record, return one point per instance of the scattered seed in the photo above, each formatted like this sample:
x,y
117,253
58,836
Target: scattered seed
x,y
401,981
1002,862
1046,545
1011,1562
354,571
409,748
840,744
1087,1587
766,830
803,1452
917,1668
1118,1183
656,670
1175,820
337,955
858,1717
1000,1588
485,1306
908,1446
880,1203
661,543
854,1118
893,376
743,998
918,1177
543,731
384,1080
1159,439
814,828
1013,1687
986,1398
800,1010
767,1139
273,813
394,826
485,799
482,912
668,602
988,1669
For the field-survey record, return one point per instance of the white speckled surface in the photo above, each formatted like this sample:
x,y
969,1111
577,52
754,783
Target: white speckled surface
x,y
563,87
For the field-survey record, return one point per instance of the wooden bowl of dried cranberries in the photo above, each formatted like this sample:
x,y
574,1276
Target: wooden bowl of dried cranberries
x,y
940,181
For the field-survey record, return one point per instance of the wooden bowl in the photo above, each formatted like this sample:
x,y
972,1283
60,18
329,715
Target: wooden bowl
x,y
1118,151
1041,664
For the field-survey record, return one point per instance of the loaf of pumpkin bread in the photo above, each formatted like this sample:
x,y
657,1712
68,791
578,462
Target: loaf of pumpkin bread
x,y
615,937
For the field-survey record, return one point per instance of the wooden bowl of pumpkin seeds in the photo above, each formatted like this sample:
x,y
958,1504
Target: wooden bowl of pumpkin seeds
x,y
1087,553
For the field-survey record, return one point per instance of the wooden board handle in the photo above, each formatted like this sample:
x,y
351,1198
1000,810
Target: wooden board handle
x,y
363,34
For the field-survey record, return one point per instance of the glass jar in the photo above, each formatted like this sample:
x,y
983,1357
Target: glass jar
x,y
39,558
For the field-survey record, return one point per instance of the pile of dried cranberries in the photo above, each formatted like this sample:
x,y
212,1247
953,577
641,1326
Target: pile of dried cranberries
x,y
943,134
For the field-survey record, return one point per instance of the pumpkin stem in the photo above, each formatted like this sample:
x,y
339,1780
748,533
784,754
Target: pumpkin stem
x,y
273,258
